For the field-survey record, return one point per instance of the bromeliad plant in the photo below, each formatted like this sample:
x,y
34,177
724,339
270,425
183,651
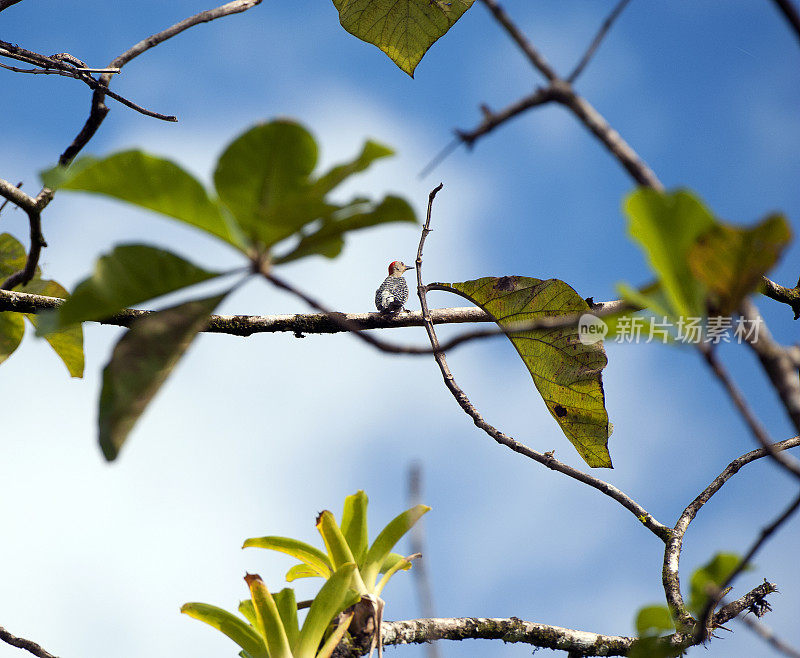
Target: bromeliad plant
x,y
350,567
348,543
272,629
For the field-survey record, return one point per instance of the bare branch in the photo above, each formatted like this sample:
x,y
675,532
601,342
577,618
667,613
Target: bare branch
x,y
706,617
598,39
776,361
99,110
790,296
747,414
33,208
767,634
5,4
547,459
753,600
788,10
19,642
670,573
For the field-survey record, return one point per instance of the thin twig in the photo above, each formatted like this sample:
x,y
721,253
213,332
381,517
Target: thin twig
x,y
767,634
548,460
19,642
776,361
706,617
533,55
670,573
6,200
33,208
417,541
738,399
99,110
598,39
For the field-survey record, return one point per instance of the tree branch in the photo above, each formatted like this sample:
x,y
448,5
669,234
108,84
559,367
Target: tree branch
x,y
670,572
647,519
19,642
598,39
790,296
767,634
776,361
33,208
706,617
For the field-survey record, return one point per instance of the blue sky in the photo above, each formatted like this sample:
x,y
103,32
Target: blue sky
x,y
254,436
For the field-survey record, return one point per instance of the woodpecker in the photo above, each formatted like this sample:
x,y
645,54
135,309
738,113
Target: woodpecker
x,y
393,292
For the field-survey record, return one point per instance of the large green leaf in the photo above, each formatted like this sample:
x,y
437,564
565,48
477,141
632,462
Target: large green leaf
x,y
354,525
731,260
667,225
67,343
332,598
386,540
403,29
229,624
129,275
12,329
566,372
141,362
149,182
338,550
263,178
314,558
328,240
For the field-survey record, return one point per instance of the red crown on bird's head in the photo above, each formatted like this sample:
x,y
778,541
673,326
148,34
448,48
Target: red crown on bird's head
x,y
394,264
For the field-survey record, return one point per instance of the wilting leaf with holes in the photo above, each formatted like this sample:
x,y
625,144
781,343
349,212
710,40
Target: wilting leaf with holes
x,y
730,260
403,29
567,373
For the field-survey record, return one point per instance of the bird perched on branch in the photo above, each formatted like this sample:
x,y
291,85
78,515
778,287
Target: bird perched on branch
x,y
393,292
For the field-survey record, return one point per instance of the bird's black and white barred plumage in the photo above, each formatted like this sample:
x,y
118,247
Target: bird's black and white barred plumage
x,y
393,292
391,295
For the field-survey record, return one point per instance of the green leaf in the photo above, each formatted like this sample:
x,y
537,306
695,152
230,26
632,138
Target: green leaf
x,y
667,225
263,179
401,565
330,600
328,239
392,560
731,260
236,629
248,611
354,525
302,571
566,372
386,540
403,29
268,618
338,550
653,620
66,343
129,275
12,255
149,182
141,362
370,152
12,328
309,555
654,647
287,609
710,577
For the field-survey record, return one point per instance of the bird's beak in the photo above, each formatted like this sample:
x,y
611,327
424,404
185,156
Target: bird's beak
x,y
410,268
